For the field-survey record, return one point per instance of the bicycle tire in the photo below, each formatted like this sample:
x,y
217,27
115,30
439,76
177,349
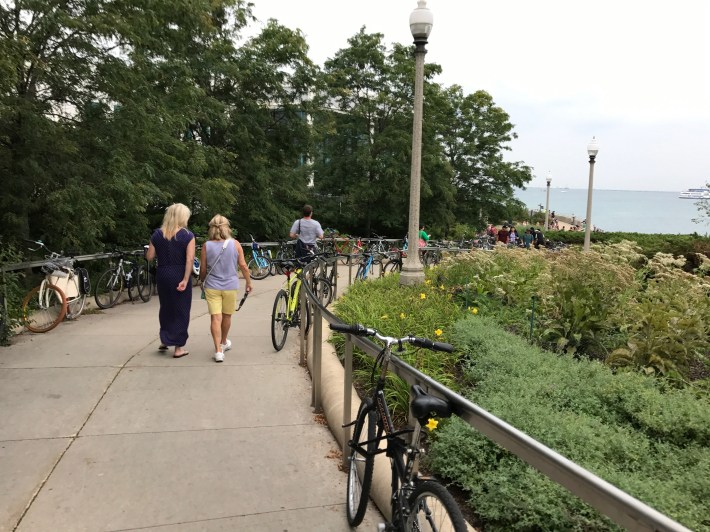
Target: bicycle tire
x,y
393,266
108,288
42,316
324,291
75,305
361,467
279,321
432,507
360,274
145,288
258,270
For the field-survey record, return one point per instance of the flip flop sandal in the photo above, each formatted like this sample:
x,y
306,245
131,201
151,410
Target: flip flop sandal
x,y
183,354
162,347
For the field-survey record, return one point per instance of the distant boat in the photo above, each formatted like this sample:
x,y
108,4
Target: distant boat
x,y
695,193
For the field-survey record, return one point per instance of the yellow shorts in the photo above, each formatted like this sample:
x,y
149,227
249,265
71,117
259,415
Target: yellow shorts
x,y
221,301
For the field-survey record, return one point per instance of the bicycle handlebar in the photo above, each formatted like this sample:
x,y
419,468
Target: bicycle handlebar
x,y
360,330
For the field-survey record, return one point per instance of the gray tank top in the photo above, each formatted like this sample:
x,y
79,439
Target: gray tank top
x,y
223,274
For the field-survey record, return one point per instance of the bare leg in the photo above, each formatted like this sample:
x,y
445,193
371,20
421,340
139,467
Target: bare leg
x,y
226,324
216,330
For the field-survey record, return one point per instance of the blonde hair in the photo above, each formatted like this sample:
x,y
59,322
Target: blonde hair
x,y
176,217
219,228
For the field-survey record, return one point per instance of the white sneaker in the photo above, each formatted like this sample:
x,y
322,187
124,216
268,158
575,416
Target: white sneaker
x,y
226,347
219,356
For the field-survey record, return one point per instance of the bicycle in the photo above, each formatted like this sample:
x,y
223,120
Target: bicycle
x,y
287,311
370,259
418,503
260,264
322,284
133,276
395,263
62,293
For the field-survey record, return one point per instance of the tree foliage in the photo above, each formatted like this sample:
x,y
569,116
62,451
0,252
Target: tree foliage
x,y
111,111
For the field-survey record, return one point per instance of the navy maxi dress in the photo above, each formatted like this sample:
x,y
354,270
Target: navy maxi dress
x,y
175,306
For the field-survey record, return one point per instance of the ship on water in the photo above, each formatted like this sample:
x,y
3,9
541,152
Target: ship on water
x,y
695,193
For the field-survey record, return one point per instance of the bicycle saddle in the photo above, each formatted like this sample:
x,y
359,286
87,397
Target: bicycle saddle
x,y
425,406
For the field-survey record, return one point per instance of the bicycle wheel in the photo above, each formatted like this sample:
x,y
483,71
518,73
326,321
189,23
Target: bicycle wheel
x,y
431,508
145,288
360,274
324,291
393,266
279,320
75,303
259,268
361,465
43,308
108,288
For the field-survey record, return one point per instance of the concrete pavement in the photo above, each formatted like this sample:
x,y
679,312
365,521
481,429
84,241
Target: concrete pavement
x,y
100,431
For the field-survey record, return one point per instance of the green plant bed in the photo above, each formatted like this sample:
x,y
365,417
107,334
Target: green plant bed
x,y
677,245
651,442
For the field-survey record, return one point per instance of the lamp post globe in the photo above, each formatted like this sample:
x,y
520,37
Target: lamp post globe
x,y
547,202
420,23
592,150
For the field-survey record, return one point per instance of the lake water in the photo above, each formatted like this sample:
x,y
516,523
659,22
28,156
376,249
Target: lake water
x,y
622,210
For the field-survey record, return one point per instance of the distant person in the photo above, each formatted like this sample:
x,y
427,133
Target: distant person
x,y
513,237
221,256
503,234
539,239
423,237
307,231
174,246
528,237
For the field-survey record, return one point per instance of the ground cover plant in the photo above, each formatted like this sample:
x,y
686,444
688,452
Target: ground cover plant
x,y
649,441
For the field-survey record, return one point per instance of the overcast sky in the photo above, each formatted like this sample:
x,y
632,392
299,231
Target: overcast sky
x,y
635,74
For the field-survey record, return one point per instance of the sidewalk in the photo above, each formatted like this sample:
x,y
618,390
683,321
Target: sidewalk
x,y
100,431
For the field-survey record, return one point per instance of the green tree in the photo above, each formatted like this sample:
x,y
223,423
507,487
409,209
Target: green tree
x,y
703,210
475,133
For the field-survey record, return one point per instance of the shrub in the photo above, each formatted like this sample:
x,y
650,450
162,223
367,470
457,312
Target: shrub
x,y
650,442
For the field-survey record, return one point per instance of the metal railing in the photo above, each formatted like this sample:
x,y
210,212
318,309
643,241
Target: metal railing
x,y
609,500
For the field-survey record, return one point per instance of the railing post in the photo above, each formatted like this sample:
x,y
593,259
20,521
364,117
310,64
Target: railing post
x,y
347,396
350,269
335,279
316,360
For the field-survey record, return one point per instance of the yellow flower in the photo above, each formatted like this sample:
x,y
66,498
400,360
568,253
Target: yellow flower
x,y
422,296
438,332
474,310
428,281
402,315
432,424
384,317
441,287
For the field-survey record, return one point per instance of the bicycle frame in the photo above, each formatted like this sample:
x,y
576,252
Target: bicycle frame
x,y
292,286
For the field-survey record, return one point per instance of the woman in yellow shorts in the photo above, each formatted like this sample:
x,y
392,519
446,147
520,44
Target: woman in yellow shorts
x,y
220,257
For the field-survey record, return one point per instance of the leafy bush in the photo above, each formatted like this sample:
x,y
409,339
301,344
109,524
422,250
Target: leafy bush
x,y
426,310
651,443
11,289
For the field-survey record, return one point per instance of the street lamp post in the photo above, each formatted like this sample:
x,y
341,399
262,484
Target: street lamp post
x,y
420,23
592,150
547,203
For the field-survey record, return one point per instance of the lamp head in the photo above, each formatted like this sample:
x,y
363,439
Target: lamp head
x,y
421,21
549,179
593,147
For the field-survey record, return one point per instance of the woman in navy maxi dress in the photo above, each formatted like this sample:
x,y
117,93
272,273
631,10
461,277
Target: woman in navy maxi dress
x,y
173,276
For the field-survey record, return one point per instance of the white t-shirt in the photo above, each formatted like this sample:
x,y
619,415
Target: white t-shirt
x,y
309,231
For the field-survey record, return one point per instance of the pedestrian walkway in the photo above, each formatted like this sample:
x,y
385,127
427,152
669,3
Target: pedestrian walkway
x,y
100,431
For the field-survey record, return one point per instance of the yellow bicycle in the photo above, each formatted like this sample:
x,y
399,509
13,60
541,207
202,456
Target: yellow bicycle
x,y
287,311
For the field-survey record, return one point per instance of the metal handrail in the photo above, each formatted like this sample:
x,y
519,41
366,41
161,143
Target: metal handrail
x,y
616,504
